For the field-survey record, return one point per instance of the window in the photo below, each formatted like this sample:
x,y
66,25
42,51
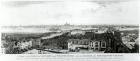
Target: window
x,y
96,48
103,44
72,42
96,44
92,45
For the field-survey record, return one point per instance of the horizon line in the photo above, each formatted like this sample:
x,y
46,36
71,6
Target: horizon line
x,y
68,24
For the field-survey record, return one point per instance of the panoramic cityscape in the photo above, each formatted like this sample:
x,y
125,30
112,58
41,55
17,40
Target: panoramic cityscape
x,y
70,27
70,39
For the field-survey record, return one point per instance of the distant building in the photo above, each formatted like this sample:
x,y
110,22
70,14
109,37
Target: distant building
x,y
77,31
66,24
85,30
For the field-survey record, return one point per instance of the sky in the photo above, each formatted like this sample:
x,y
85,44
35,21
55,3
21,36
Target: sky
x,y
76,12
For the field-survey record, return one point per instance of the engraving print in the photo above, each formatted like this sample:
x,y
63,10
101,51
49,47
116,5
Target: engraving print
x,y
70,27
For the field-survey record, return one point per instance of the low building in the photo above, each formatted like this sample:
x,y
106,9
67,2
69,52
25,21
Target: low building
x,y
74,44
97,45
109,41
77,43
36,43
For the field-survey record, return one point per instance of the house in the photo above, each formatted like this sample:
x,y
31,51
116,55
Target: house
x,y
99,45
36,43
88,44
73,44
109,41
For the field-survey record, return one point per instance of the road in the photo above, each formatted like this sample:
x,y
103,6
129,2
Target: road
x,y
34,51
